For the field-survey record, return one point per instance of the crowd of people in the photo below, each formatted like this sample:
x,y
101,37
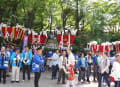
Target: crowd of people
x,y
102,65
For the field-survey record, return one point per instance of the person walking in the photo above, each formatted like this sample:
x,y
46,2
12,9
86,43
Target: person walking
x,y
103,69
115,72
37,66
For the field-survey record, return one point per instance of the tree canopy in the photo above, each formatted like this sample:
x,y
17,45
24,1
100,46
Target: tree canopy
x,y
98,19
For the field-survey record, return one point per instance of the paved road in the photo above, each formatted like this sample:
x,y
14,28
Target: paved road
x,y
45,81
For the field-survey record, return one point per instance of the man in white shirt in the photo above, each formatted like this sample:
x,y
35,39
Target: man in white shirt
x,y
116,71
71,58
55,59
103,69
62,63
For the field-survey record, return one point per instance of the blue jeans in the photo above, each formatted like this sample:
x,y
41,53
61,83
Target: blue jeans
x,y
54,71
105,75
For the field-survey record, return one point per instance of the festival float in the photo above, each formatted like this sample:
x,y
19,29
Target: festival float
x,y
11,34
20,36
66,38
93,46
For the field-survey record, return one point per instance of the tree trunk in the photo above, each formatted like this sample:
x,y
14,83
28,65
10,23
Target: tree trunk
x,y
76,16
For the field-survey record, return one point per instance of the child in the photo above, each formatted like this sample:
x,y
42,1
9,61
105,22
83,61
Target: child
x,y
70,76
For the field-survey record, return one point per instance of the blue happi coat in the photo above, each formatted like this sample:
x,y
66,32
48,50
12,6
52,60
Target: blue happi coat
x,y
37,63
95,60
13,60
79,63
29,57
4,61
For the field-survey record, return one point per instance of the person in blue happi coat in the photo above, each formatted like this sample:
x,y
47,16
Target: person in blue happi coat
x,y
27,58
95,66
16,63
82,65
3,64
49,62
89,61
37,66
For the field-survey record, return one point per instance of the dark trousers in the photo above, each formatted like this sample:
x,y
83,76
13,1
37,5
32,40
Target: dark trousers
x,y
95,72
36,79
88,71
54,71
81,74
3,75
105,76
61,75
117,83
26,68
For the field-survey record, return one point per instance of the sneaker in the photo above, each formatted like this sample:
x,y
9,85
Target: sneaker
x,y
23,80
12,81
17,81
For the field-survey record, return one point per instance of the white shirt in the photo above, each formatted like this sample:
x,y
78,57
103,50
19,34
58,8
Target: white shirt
x,y
116,71
26,55
55,59
8,54
60,62
71,59
89,60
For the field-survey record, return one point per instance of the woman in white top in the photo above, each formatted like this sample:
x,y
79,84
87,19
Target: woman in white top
x,y
116,71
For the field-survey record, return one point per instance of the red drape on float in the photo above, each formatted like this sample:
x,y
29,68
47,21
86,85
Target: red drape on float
x,y
42,39
106,48
117,47
94,48
9,32
30,38
59,37
72,39
65,39
100,48
35,38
